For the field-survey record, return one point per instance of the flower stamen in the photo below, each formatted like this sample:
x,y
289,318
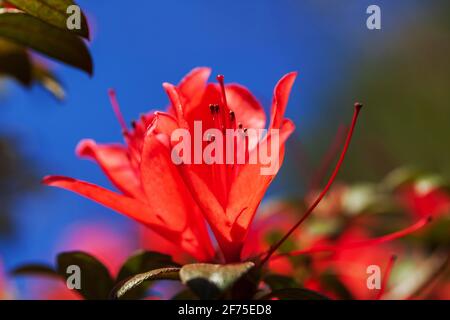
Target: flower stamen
x,y
386,276
116,108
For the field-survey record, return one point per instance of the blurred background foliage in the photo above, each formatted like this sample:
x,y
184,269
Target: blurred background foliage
x,y
17,177
404,84
28,28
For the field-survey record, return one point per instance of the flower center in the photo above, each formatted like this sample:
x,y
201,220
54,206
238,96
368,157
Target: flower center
x,y
224,118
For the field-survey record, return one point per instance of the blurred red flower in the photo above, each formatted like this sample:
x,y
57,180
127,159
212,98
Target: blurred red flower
x,y
350,265
3,293
106,244
171,199
421,201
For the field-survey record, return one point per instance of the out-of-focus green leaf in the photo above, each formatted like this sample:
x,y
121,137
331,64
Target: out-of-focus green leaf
x,y
135,281
31,32
53,12
96,281
185,295
399,177
366,197
295,294
331,282
48,81
276,281
210,281
15,62
35,269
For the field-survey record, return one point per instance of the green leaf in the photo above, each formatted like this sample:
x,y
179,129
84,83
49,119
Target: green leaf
x,y
210,281
53,12
140,262
49,81
35,269
15,62
331,282
294,294
96,282
275,281
143,261
135,281
185,295
399,177
31,32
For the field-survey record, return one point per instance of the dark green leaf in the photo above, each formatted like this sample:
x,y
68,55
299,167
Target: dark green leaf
x,y
31,32
275,281
35,269
331,282
185,295
140,262
210,281
143,261
53,12
400,177
45,78
15,62
294,294
96,282
135,281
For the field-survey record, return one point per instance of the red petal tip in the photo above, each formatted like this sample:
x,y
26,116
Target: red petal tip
x,y
53,180
84,148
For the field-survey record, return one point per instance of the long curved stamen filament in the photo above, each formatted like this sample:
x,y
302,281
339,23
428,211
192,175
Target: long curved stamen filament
x,y
116,109
274,248
385,279
226,119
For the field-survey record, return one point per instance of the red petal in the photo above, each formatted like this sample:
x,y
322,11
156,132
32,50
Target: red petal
x,y
200,111
163,123
176,103
168,195
250,186
193,85
245,106
138,211
162,184
281,98
130,207
206,199
114,161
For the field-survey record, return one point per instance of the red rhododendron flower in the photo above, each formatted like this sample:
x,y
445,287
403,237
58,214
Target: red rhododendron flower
x,y
173,199
350,265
